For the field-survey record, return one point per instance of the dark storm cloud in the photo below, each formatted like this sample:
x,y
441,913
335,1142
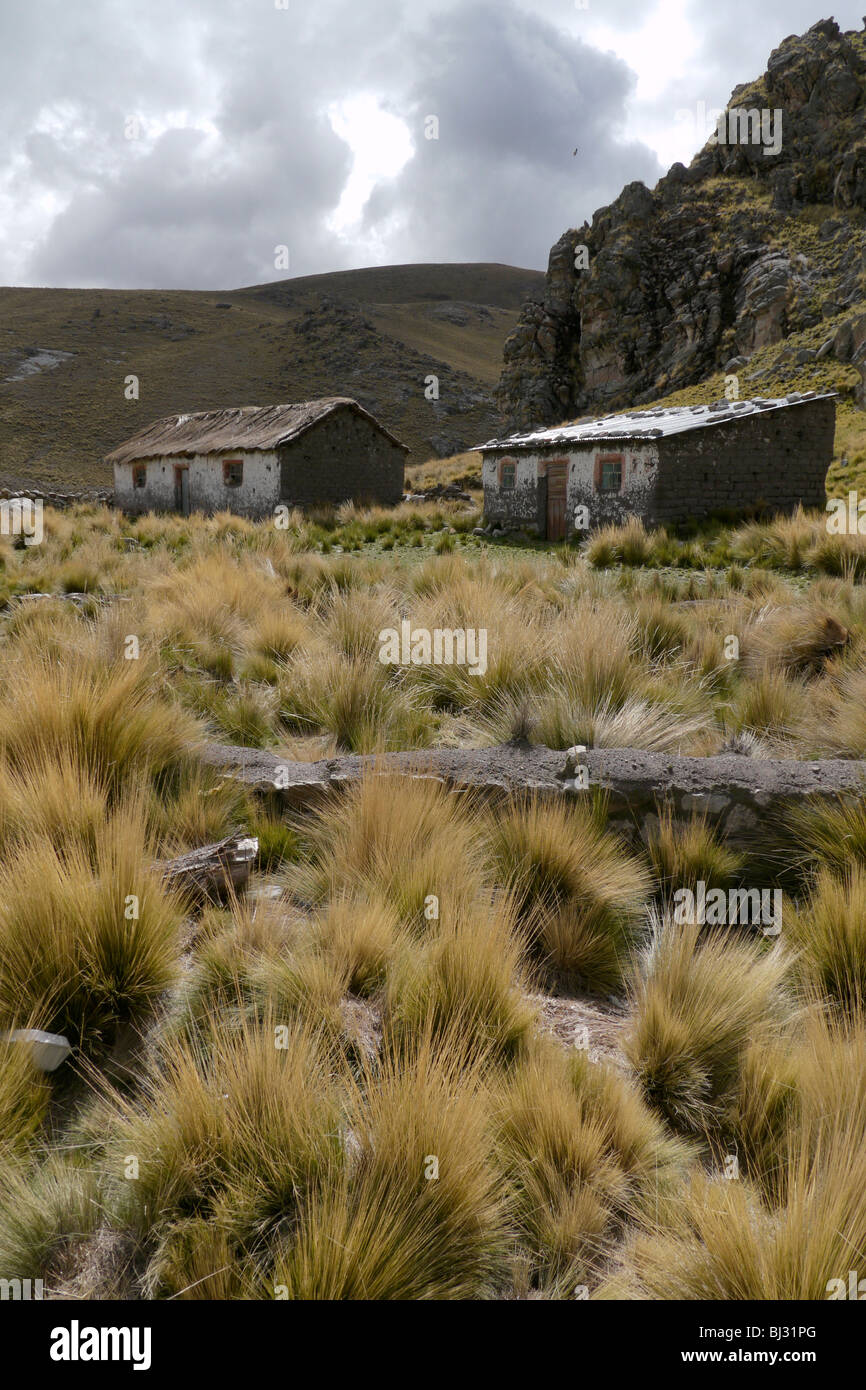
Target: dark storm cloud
x,y
513,97
259,164
238,155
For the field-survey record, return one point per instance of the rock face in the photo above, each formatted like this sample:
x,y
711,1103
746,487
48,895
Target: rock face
x,y
666,287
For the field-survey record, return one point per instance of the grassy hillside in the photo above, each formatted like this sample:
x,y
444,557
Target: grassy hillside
x,y
372,334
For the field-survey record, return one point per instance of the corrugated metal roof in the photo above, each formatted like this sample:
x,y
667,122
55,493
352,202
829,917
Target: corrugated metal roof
x,y
240,427
649,424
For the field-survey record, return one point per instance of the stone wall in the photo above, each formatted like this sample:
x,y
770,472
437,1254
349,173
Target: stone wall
x,y
343,458
523,506
744,799
97,497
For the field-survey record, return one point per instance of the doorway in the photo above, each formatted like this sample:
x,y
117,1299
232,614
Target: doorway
x,y
181,489
557,477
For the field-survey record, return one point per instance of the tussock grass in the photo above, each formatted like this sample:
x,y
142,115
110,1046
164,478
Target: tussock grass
x,y
843,727
770,705
580,1151
109,719
353,700
72,952
223,985
194,1260
384,1227
797,640
59,802
24,1098
805,1225
830,833
579,891
396,839
698,1004
636,723
721,1243
397,960
765,1110
463,982
828,932
683,853
361,938
234,1130
44,1209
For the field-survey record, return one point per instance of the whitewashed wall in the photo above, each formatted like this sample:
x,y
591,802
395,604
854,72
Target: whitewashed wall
x,y
524,505
640,471
257,495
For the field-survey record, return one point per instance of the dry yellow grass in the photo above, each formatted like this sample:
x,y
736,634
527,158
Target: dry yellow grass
x,y
413,923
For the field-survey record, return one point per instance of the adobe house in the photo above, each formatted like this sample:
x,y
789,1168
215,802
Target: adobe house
x,y
661,465
249,459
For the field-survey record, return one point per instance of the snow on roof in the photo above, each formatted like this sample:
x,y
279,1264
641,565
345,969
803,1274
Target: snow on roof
x,y
649,424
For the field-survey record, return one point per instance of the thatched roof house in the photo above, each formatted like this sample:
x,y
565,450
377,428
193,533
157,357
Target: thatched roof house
x,y
248,459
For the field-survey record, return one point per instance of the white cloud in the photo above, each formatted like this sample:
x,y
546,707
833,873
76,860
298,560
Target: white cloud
x,y
381,145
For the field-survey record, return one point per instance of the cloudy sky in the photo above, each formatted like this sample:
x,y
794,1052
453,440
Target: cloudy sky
x,y
179,143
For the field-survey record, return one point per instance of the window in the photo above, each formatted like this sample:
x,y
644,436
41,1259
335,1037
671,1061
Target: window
x,y
506,476
608,473
233,472
139,474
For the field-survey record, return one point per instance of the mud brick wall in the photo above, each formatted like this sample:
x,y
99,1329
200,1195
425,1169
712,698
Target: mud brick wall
x,y
778,457
342,457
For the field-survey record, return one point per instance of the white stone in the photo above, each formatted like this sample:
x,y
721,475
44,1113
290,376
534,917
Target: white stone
x,y
47,1050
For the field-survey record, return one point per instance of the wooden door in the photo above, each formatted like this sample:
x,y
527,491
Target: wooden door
x,y
557,477
181,490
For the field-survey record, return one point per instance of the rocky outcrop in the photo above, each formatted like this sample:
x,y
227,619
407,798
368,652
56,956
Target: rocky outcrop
x,y
665,287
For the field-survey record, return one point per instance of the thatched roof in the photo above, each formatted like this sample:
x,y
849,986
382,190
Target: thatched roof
x,y
242,427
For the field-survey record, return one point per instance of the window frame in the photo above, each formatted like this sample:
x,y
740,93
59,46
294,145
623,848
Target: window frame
x,y
229,465
510,464
139,471
600,462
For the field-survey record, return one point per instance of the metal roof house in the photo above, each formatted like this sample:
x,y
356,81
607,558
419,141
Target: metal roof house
x,y
662,465
250,459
